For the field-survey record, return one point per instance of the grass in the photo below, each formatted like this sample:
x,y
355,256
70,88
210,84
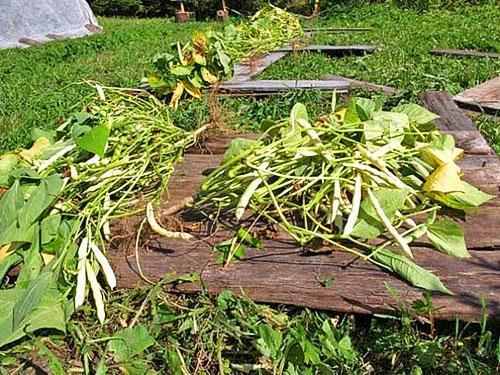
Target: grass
x,y
228,334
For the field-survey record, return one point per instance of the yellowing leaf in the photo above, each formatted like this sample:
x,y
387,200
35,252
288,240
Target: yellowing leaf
x,y
176,95
47,257
341,114
7,249
442,151
192,89
208,77
199,59
40,144
444,179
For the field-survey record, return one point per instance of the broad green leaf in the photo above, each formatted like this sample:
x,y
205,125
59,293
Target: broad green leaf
x,y
7,164
410,271
416,113
441,151
365,108
444,179
237,147
351,114
181,70
448,237
32,263
10,203
95,140
369,225
48,314
396,122
50,227
468,200
130,342
299,112
31,296
40,200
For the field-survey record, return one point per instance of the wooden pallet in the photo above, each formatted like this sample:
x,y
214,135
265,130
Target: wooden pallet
x,y
483,97
464,53
267,87
283,274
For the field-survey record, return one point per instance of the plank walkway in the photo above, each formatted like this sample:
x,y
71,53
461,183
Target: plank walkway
x,y
483,97
242,84
464,53
281,273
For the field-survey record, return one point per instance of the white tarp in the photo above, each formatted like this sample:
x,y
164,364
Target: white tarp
x,y
43,20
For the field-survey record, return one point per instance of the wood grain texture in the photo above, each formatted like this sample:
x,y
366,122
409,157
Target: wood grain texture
x,y
485,96
453,120
246,70
275,86
282,273
464,53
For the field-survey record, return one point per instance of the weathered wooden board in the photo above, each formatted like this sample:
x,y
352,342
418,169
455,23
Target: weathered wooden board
x,y
366,85
331,50
464,53
485,96
454,121
275,86
283,274
245,71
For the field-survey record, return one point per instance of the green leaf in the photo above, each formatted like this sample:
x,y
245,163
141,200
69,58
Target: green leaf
x,y
50,228
416,113
95,140
351,115
448,237
410,271
237,147
269,342
33,263
40,200
369,225
396,122
181,70
468,200
248,239
32,296
299,112
365,108
130,342
8,163
10,203
48,314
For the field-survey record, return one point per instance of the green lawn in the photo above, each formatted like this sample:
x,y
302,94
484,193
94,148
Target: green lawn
x,y
201,335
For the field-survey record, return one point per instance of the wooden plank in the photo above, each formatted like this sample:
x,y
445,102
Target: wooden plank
x,y
464,53
452,120
275,86
485,96
331,50
246,70
282,274
366,85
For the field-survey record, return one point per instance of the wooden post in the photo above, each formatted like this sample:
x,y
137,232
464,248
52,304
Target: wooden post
x,y
181,15
223,14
